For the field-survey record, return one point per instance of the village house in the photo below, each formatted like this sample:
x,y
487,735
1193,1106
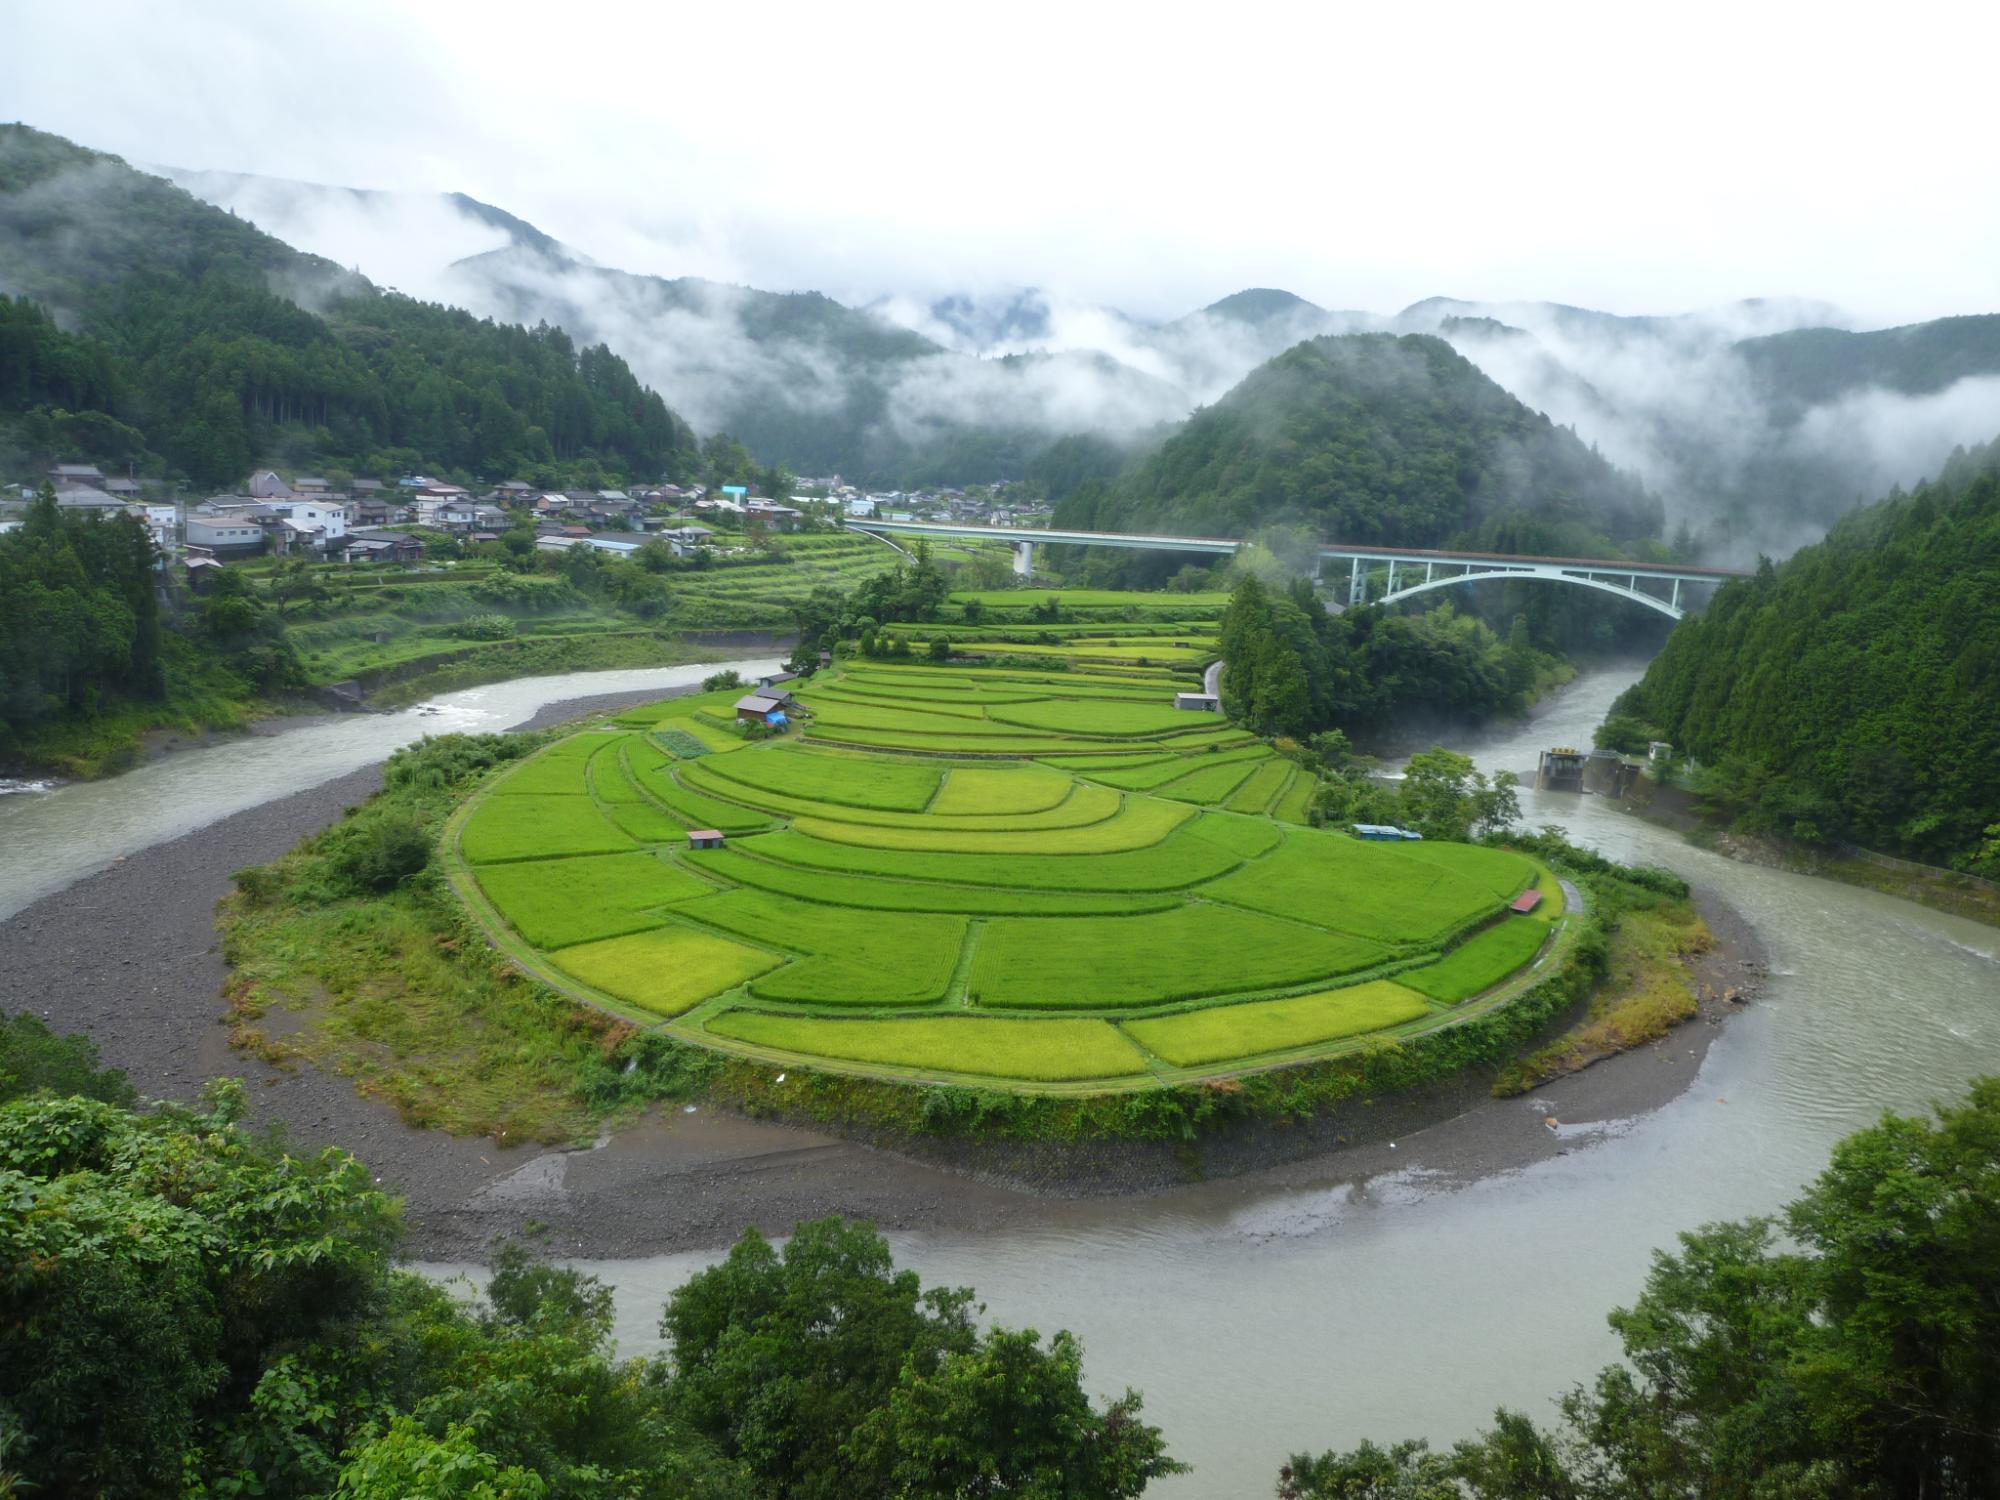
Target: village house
x,y
617,544
226,535
89,474
324,516
760,708
777,517
87,497
683,540
266,484
368,510
383,547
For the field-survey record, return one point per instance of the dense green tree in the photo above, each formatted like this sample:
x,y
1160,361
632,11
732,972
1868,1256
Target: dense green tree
x,y
193,331
1291,667
912,591
187,1308
1846,1349
1008,1417
828,1373
1366,438
79,615
1445,796
1852,692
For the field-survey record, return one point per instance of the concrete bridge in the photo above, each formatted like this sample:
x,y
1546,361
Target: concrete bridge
x,y
1375,575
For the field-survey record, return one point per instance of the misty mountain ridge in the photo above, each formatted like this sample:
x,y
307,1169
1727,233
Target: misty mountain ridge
x,y
1375,437
1758,421
145,326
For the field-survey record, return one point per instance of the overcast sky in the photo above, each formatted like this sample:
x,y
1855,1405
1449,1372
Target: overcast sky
x,y
1634,158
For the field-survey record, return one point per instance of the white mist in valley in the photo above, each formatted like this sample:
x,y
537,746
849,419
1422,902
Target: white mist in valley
x,y
1673,399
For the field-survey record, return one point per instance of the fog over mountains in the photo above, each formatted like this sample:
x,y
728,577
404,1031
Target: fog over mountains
x,y
1756,422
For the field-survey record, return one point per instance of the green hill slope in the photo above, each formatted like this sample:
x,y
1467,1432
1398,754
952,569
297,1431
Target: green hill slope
x,y
1369,437
1853,692
1810,366
140,324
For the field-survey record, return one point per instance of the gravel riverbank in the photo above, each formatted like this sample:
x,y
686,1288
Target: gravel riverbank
x,y
130,957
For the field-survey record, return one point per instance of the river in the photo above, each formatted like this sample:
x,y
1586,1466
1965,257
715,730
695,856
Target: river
x,y
53,837
1260,1322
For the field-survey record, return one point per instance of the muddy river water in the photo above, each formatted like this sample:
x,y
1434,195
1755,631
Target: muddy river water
x,y
1258,1323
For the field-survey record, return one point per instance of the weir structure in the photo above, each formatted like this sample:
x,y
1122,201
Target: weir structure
x,y
1375,575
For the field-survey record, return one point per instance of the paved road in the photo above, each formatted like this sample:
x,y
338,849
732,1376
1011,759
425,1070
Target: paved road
x,y
1211,680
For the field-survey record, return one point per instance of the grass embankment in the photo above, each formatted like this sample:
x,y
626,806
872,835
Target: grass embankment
x,y
1654,932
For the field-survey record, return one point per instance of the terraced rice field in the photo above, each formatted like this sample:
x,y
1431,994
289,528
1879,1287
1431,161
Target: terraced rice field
x,y
1041,879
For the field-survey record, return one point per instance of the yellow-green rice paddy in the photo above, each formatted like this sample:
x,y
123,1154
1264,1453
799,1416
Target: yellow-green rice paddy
x,y
996,874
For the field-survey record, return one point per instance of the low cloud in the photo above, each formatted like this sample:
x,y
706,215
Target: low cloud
x,y
1668,398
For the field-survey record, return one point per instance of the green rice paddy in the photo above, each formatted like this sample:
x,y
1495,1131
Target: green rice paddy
x,y
997,874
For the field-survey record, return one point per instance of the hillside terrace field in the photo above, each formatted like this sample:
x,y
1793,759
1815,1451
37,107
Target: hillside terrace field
x,y
1051,881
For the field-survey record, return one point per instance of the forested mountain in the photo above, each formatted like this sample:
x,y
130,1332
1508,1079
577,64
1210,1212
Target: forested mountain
x,y
1759,420
1853,691
1368,438
140,325
819,386
1808,367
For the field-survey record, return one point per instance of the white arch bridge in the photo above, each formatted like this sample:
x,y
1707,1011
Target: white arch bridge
x,y
1375,575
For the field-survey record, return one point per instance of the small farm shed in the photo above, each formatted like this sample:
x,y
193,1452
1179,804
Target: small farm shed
x,y
1527,901
1382,832
1206,703
759,708
704,838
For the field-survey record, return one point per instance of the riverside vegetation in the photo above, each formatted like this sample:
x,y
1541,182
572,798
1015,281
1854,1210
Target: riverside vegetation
x,y
1098,903
97,647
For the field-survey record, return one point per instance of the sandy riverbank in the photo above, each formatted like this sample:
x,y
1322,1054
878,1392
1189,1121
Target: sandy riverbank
x,y
130,957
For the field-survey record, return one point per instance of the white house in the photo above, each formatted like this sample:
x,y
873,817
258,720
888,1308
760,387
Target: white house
x,y
164,522
223,533
328,516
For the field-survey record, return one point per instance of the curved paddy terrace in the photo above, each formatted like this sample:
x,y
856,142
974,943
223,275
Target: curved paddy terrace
x,y
1044,881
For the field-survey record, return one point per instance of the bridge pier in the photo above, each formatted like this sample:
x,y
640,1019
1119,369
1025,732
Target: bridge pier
x,y
1024,559
1354,585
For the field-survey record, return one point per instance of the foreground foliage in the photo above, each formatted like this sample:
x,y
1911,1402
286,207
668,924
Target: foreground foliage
x,y
188,1309
1847,1348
